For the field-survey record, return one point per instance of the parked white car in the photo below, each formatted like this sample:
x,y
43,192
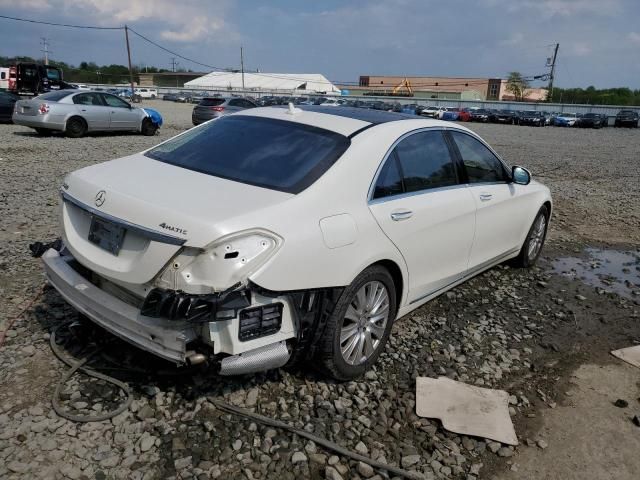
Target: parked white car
x,y
276,234
146,92
433,112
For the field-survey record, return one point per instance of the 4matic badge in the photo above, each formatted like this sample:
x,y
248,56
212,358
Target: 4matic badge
x,y
179,230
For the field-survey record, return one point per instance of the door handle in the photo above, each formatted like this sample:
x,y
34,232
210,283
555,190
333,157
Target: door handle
x,y
485,197
397,216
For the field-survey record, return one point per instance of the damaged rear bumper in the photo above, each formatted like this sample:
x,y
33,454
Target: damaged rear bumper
x,y
164,338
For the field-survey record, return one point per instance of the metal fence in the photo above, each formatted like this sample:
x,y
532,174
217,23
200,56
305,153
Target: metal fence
x,y
609,110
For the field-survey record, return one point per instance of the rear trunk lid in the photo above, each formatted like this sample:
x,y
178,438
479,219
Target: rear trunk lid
x,y
28,107
146,211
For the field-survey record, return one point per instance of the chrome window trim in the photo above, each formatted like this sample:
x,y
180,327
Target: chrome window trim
x,y
426,191
143,231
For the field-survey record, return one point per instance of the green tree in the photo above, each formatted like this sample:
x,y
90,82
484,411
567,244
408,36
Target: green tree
x,y
517,85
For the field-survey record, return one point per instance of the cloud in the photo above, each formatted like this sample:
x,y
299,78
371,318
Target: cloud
x,y
26,4
199,28
561,8
634,37
580,49
178,21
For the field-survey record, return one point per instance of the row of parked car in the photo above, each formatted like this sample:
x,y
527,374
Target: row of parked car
x,y
222,105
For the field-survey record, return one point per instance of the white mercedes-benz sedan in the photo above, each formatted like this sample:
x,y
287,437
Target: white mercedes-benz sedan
x,y
279,234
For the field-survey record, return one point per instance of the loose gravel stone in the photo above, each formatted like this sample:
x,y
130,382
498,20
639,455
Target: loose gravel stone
x,y
492,331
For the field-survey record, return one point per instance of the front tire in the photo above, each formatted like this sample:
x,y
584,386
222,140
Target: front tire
x,y
532,246
359,326
148,128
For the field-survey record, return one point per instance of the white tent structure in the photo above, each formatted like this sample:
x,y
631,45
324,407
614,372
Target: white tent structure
x,y
266,82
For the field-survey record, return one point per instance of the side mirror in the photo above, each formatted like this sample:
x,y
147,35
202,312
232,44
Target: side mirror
x,y
520,175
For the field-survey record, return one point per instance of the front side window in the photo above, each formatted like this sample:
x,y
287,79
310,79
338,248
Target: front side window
x,y
266,152
114,101
481,164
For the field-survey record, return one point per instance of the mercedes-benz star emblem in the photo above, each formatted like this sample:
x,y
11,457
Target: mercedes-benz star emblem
x,y
101,196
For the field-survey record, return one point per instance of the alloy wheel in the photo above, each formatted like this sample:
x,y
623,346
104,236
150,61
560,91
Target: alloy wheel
x,y
364,323
537,237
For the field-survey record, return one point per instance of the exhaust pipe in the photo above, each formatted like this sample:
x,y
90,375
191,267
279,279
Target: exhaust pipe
x,y
264,358
194,358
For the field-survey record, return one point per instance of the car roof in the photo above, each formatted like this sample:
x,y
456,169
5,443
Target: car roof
x,y
347,121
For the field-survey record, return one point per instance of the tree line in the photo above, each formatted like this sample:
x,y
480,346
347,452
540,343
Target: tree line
x,y
90,72
518,85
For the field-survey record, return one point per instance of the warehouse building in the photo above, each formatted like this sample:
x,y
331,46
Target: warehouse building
x,y
291,83
447,88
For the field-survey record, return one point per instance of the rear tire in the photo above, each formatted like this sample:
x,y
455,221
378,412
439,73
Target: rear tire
x,y
358,329
76,127
532,246
148,128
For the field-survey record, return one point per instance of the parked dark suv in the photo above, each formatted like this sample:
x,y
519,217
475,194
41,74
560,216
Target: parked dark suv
x,y
213,107
627,118
593,120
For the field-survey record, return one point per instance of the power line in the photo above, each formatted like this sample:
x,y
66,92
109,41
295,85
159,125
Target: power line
x,y
174,53
93,27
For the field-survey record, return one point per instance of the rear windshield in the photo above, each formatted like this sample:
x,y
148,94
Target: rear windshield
x,y
211,102
57,95
269,153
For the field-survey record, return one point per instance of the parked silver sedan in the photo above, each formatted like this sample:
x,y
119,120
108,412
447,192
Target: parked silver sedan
x,y
77,112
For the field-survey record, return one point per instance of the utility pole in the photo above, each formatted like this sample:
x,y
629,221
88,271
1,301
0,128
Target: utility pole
x,y
242,66
45,44
551,73
173,64
126,36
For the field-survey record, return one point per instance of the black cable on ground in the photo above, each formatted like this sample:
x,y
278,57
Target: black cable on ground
x,y
225,407
80,366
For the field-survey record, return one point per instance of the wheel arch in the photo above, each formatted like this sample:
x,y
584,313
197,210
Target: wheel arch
x,y
398,280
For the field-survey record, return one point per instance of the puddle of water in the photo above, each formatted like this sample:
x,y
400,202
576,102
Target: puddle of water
x,y
611,270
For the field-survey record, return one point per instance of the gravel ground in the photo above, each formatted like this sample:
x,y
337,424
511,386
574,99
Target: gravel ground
x,y
524,331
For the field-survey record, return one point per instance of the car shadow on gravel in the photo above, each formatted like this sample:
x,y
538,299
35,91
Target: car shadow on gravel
x,y
55,134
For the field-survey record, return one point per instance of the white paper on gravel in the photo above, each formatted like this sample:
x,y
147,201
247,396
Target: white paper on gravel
x,y
630,355
465,409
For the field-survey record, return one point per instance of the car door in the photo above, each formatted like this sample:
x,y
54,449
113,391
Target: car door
x,y
498,201
90,106
421,205
122,116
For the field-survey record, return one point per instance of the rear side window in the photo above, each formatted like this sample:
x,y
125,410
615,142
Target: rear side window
x,y
88,99
211,102
265,152
420,162
426,162
481,164
390,180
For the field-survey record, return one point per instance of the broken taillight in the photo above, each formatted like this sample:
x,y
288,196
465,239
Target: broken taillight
x,y
217,109
44,108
